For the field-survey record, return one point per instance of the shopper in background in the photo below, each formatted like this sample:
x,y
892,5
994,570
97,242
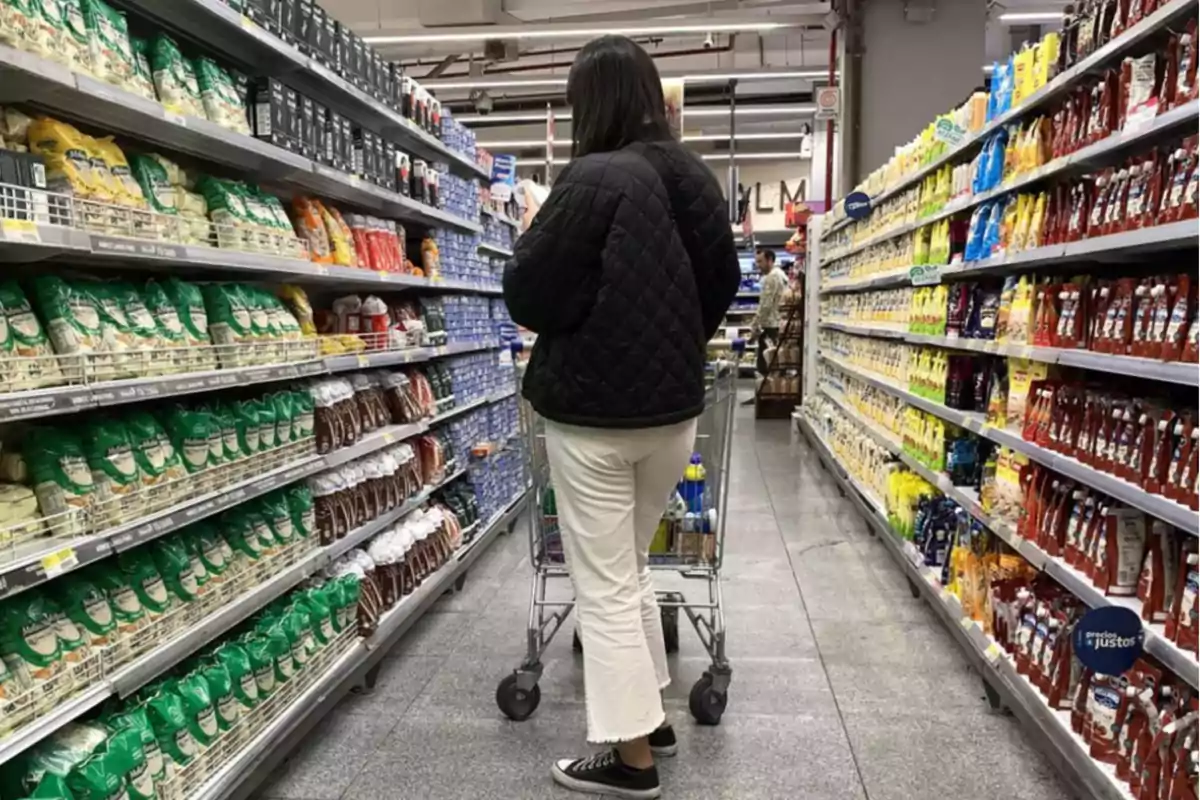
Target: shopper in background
x,y
765,327
625,274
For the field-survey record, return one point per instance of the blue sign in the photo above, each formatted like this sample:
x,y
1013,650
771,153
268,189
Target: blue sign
x,y
1108,640
504,169
858,205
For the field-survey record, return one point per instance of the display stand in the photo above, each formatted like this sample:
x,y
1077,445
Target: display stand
x,y
779,392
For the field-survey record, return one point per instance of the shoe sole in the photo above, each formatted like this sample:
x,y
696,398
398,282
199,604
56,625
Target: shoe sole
x,y
666,750
574,784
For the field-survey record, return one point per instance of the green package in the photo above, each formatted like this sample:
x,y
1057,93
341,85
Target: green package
x,y
274,508
175,566
134,717
110,456
198,706
166,317
71,638
86,604
206,545
238,530
193,435
147,582
305,423
302,508
231,448
98,777
27,632
321,624
112,55
245,418
71,313
268,419
297,626
61,477
229,320
259,525
174,79
118,588
262,662
127,755
220,688
27,338
234,658
152,448
188,300
170,723
285,413
156,185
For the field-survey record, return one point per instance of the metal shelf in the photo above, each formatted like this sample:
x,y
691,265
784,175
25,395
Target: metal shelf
x,y
1084,159
46,558
1052,728
108,107
254,762
129,678
1183,373
1177,660
502,218
1055,88
1163,508
1115,248
239,40
496,250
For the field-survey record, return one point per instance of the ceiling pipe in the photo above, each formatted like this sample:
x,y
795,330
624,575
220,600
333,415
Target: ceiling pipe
x,y
553,65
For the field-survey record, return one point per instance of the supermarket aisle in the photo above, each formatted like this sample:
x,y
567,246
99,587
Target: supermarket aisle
x,y
844,686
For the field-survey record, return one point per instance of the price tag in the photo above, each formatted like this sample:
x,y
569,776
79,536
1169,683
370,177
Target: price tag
x,y
19,230
321,269
59,562
993,652
178,119
388,438
363,361
383,276
966,623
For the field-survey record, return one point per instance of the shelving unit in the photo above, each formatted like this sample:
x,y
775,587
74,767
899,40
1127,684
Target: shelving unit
x,y
47,229
843,395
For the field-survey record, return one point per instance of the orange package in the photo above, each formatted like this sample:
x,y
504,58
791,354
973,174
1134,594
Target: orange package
x,y
306,218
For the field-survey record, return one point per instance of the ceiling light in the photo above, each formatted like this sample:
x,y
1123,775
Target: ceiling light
x,y
533,116
751,75
741,137
1032,16
477,35
751,156
749,111
500,83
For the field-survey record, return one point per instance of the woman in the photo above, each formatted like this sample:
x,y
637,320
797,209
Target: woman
x,y
624,274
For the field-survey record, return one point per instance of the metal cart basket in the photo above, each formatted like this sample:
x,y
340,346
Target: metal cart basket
x,y
689,543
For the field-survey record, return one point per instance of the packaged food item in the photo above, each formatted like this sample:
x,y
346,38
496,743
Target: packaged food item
x,y
169,719
115,473
35,366
146,581
174,78
129,752
189,304
227,708
194,437
62,480
46,30
19,517
226,202
231,327
31,647
158,463
68,165
234,658
112,55
135,717
310,227
222,104
141,82
16,20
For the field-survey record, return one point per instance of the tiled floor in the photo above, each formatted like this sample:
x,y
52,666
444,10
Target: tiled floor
x,y
844,686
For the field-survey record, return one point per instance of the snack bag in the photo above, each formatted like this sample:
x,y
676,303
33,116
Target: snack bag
x,y
142,81
30,645
126,189
168,328
44,35
16,19
174,79
310,227
227,210
231,326
339,241
61,477
219,96
65,150
115,473
35,366
155,185
188,300
108,31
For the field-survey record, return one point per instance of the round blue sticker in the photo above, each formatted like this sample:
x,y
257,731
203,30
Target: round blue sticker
x,y
858,205
1108,640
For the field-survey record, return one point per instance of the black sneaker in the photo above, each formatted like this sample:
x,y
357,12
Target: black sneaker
x,y
662,741
604,773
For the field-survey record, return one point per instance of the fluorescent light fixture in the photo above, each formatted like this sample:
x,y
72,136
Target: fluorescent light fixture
x,y
478,35
519,116
523,144
499,83
750,111
754,156
741,137
766,75
1032,16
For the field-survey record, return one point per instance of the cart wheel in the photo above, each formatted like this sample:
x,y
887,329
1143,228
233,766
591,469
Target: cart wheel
x,y
516,703
670,626
706,703
576,644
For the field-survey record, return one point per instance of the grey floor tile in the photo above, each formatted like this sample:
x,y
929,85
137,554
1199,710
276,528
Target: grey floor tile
x,y
433,635
327,761
855,642
777,686
961,754
399,681
948,683
750,757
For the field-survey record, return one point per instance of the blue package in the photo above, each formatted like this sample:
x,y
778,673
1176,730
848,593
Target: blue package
x,y
991,233
979,220
1000,100
995,166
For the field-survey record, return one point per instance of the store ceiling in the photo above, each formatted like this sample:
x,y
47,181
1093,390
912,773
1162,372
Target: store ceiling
x,y
462,55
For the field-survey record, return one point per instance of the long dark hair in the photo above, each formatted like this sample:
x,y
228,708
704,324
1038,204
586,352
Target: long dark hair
x,y
616,97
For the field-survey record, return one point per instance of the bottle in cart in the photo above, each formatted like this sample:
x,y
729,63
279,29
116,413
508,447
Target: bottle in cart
x,y
693,484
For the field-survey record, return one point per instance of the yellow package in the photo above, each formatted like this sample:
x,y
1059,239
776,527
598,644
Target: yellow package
x,y
1021,374
297,300
1047,58
346,234
1022,75
1021,316
339,243
1036,217
68,162
125,189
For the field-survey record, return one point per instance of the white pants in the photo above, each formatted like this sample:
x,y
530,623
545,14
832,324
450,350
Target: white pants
x,y
611,487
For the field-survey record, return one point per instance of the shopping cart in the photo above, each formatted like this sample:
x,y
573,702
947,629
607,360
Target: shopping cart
x,y
689,544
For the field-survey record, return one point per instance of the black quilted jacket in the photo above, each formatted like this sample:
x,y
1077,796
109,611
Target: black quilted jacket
x,y
624,275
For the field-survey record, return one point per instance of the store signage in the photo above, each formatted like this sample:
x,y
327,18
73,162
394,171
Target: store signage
x,y
829,101
925,275
946,131
787,198
858,205
1108,640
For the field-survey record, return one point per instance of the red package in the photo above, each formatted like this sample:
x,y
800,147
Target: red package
x,y
1094,546
1082,509
1126,440
1079,206
1079,702
1181,624
1106,184
1103,705
1125,542
1167,335
1140,87
1160,567
1183,88
1179,467
1167,437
